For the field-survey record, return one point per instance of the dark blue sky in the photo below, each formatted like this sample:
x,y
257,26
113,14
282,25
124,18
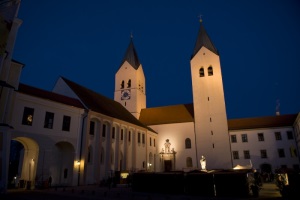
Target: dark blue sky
x,y
85,41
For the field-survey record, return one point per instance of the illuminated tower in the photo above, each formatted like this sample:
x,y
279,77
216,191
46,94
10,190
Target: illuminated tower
x,y
130,89
211,129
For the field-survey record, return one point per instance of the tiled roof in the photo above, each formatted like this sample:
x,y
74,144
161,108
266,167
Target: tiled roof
x,y
33,91
204,40
101,104
262,122
167,114
185,113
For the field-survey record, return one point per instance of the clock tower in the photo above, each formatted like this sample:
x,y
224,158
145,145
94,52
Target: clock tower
x,y
211,128
130,89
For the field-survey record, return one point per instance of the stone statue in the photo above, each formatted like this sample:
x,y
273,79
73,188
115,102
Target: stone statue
x,y
203,163
167,146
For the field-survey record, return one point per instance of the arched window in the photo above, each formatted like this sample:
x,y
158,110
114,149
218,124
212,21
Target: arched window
x,y
210,71
188,143
201,72
189,162
129,83
122,85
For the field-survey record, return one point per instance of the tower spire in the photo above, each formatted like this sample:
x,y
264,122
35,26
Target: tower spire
x,y
131,55
203,40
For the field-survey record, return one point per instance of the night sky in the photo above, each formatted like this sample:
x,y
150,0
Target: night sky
x,y
85,41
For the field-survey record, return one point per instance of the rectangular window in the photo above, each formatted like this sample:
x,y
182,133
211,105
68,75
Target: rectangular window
x,y
260,137
92,128
28,116
103,130
290,135
49,118
293,151
233,138
143,138
278,136
139,137
122,134
235,155
129,136
296,167
150,141
281,153
66,123
244,138
247,154
263,153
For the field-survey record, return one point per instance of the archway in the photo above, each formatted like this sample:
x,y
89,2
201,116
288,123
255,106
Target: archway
x,y
62,167
24,154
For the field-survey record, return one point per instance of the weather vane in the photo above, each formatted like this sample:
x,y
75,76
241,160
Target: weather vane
x,y
200,18
131,35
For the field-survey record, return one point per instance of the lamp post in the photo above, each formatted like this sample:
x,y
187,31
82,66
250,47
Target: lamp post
x,y
78,165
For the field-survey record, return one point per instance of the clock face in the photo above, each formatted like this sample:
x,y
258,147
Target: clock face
x,y
125,94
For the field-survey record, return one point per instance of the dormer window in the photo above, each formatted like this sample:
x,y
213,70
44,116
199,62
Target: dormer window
x,y
201,72
210,71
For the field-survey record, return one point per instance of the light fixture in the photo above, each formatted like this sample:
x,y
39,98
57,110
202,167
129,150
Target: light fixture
x,y
78,162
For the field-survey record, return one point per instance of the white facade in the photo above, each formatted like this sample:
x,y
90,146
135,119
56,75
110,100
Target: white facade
x,y
47,151
269,144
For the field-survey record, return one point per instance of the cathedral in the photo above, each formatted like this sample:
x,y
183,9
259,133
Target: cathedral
x,y
77,136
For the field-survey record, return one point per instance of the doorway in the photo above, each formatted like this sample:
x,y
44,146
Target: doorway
x,y
168,165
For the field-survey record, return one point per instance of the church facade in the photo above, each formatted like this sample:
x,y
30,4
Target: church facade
x,y
77,136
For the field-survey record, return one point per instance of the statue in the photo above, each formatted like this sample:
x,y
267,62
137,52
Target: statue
x,y
203,163
167,146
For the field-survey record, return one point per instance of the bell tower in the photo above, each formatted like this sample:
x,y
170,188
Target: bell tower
x,y
211,128
130,86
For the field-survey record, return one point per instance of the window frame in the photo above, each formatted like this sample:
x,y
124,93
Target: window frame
x,y
47,122
66,125
27,118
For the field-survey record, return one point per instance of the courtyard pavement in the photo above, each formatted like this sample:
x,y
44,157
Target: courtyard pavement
x,y
121,192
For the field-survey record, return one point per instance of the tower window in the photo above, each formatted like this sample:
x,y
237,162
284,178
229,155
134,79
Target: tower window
x,y
210,71
122,85
201,72
129,83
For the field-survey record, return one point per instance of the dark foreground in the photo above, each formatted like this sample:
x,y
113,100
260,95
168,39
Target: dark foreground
x,y
268,191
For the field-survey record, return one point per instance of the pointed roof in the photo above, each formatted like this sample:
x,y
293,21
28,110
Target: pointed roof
x,y
131,56
204,40
104,105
